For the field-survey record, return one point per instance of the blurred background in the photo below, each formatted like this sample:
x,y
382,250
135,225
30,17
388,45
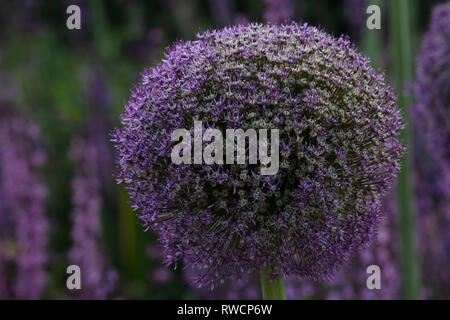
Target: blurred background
x,y
61,93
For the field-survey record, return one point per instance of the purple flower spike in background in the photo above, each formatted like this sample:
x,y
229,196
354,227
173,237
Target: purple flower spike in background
x,y
432,89
431,114
87,250
433,204
24,230
339,152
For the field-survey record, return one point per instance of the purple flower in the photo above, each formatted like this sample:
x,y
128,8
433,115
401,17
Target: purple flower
x,y
433,224
24,225
433,221
431,112
348,283
339,152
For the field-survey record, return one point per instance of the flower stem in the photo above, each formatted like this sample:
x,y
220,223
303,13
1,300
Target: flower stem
x,y
272,290
403,72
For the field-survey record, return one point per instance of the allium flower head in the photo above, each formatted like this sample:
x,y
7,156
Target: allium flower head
x,y
338,126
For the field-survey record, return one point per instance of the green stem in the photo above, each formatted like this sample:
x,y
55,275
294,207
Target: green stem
x,y
272,290
403,73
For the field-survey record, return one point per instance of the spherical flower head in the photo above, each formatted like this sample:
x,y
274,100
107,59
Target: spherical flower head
x,y
338,151
431,111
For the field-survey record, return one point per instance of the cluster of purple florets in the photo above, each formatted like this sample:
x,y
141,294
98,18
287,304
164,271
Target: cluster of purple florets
x,y
339,151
